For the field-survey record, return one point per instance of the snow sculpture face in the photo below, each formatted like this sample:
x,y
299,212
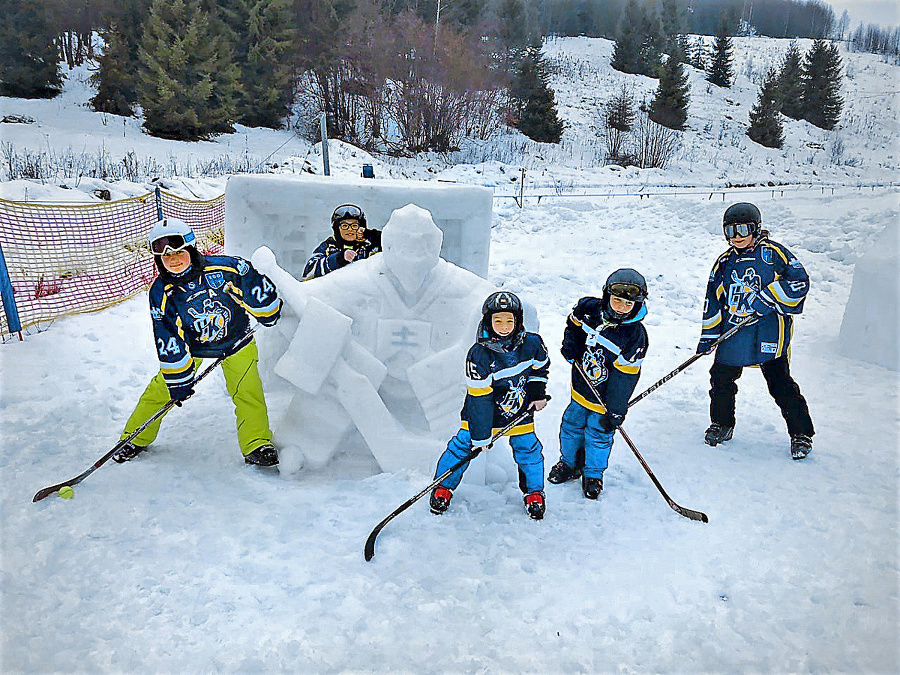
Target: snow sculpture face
x,y
411,245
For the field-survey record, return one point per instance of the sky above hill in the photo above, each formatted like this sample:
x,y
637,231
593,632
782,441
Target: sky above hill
x,y
882,12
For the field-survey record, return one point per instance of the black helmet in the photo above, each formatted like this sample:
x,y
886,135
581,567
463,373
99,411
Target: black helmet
x,y
501,301
347,212
628,284
742,219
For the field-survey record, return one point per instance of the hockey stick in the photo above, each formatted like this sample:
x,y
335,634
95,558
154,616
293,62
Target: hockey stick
x,y
47,491
680,510
734,329
369,550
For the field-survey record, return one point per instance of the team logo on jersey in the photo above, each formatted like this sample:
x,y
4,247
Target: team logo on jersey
x,y
243,267
767,256
156,313
211,321
512,401
215,279
594,365
742,291
768,347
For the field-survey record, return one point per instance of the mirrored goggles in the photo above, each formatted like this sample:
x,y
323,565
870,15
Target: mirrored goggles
x,y
733,230
350,226
630,292
347,211
171,243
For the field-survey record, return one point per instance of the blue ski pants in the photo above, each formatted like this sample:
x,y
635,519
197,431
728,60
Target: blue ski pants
x,y
580,429
526,448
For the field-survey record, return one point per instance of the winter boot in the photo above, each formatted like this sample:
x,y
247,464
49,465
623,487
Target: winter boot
x,y
801,446
127,452
591,487
562,472
440,500
535,505
718,434
264,455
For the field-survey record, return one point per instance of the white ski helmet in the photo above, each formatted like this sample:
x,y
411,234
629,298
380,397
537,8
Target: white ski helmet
x,y
170,235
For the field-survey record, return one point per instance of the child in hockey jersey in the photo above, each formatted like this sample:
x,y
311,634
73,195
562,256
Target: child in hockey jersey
x,y
199,306
754,277
506,374
606,337
351,240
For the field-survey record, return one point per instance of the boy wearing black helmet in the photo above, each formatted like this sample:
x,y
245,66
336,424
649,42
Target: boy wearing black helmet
x,y
201,308
754,277
350,241
506,373
606,337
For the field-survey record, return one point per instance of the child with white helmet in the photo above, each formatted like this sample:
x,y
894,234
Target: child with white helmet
x,y
201,308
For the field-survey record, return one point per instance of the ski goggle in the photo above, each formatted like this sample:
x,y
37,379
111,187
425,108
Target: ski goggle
x,y
171,243
631,292
733,230
347,211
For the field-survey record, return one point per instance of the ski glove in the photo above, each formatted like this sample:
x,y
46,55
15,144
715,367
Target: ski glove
x,y
535,390
609,421
705,345
181,393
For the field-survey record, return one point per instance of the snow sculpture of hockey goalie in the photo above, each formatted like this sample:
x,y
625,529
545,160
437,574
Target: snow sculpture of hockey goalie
x,y
378,346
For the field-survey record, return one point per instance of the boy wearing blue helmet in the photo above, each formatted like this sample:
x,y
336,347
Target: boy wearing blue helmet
x,y
606,337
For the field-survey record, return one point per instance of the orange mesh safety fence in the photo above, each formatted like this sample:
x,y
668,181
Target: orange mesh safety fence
x,y
67,259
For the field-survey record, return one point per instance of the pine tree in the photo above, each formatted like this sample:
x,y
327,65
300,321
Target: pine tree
x,y
538,118
721,72
618,120
790,87
115,83
669,106
629,40
821,81
765,120
186,83
262,38
29,62
115,77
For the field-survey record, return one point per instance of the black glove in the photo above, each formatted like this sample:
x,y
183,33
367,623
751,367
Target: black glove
x,y
181,393
609,421
535,390
705,345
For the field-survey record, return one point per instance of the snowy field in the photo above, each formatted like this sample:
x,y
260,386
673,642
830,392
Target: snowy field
x,y
188,561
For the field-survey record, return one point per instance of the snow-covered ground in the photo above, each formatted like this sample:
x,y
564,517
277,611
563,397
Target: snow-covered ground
x,y
188,561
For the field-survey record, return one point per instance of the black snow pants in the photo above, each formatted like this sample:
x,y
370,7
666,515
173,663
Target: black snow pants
x,y
782,387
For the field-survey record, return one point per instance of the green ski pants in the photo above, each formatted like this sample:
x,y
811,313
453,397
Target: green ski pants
x,y
244,386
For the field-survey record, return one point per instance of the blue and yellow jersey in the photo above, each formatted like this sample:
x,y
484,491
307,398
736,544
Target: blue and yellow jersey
x,y
498,382
206,315
329,255
766,277
610,354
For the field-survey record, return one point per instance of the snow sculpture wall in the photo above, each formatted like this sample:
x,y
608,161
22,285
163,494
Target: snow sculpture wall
x,y
373,354
292,215
869,330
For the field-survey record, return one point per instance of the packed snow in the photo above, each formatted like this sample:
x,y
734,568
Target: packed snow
x,y
186,560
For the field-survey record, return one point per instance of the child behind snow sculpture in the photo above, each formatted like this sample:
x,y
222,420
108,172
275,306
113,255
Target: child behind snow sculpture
x,y
200,306
351,240
606,337
506,373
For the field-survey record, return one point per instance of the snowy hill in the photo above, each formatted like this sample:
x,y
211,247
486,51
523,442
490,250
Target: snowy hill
x,y
188,561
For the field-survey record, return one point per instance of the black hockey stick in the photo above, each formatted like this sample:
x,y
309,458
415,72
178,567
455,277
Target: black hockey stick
x,y
43,493
734,329
680,510
369,550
